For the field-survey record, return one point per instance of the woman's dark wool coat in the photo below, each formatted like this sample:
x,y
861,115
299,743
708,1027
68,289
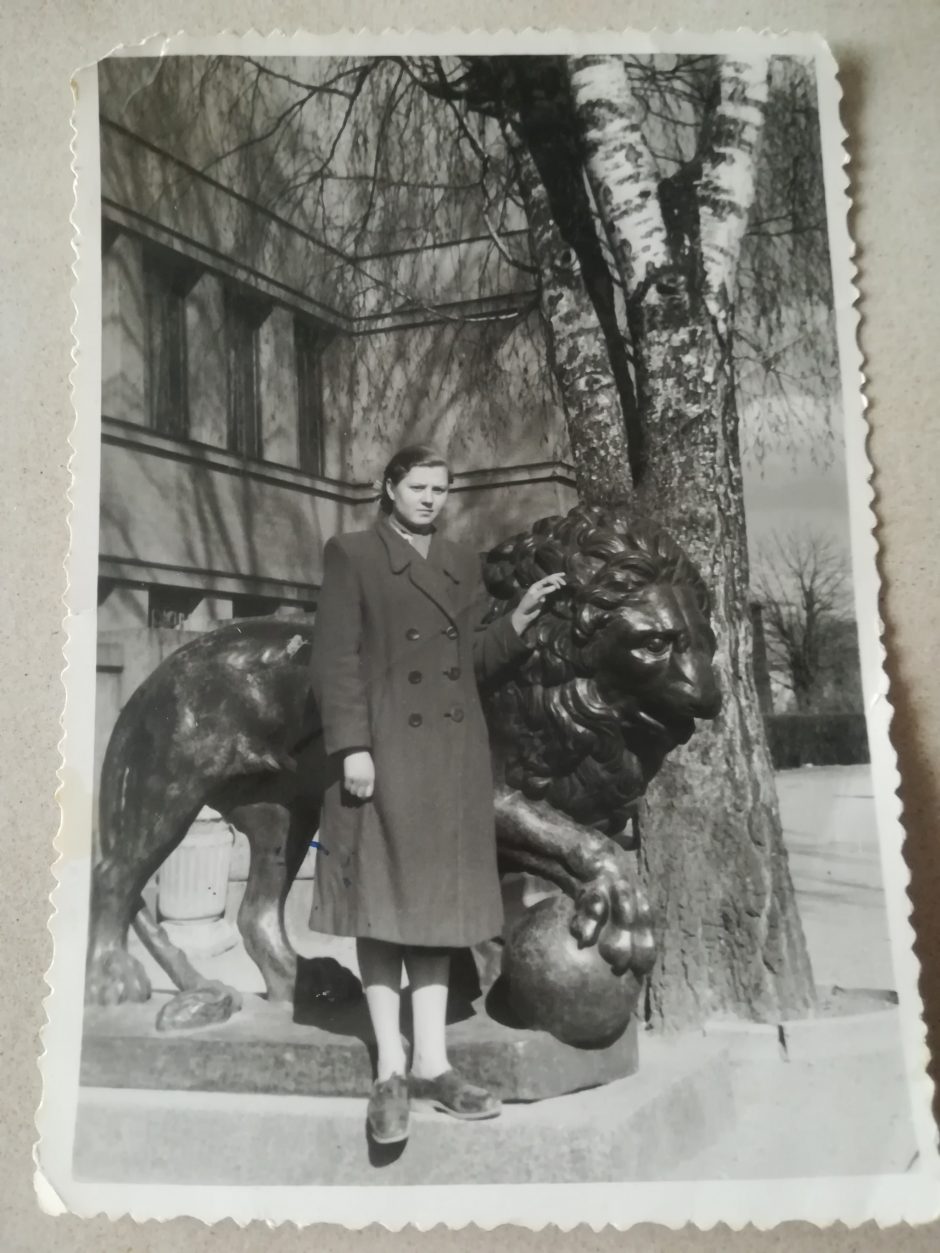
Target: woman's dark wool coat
x,y
398,649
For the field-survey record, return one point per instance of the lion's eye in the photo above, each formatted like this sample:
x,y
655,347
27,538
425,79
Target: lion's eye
x,y
657,644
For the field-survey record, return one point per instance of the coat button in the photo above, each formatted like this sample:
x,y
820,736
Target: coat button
x,y
412,634
415,720
453,672
451,632
415,676
456,713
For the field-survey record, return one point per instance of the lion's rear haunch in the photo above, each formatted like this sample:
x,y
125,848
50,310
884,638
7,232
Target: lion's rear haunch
x,y
231,704
578,724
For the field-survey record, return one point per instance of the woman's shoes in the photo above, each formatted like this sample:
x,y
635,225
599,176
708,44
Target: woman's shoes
x,y
453,1095
388,1116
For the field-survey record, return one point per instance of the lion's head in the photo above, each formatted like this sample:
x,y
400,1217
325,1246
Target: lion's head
x,y
622,663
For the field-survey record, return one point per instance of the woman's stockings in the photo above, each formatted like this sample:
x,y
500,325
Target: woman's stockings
x,y
380,967
428,973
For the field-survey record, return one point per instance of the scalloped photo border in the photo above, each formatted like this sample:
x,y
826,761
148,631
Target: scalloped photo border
x,y
912,1197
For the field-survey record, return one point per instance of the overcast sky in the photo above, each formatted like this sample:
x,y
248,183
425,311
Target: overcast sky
x,y
797,489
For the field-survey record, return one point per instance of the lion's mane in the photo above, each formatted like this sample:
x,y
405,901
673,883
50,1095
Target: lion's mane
x,y
557,735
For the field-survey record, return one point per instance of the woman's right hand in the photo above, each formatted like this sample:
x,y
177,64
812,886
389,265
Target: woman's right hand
x,y
359,774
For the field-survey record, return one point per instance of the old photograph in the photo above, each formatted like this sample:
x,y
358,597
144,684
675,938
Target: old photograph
x,y
477,775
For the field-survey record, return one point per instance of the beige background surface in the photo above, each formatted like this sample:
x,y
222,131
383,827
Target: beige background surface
x,y
887,51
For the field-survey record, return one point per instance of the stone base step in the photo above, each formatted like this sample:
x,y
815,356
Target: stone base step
x,y
639,1128
327,1051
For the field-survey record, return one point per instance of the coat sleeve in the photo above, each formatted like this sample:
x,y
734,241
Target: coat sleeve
x,y
337,678
495,644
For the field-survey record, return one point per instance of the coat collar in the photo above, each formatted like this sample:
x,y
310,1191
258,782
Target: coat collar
x,y
442,555
425,573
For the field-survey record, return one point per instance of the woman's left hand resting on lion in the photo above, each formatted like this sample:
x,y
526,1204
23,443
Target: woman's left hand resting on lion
x,y
533,602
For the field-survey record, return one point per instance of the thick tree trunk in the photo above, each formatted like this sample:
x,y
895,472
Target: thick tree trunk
x,y
577,350
548,128
712,846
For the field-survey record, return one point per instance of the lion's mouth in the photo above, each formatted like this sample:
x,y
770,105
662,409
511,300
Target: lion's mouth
x,y
677,730
647,720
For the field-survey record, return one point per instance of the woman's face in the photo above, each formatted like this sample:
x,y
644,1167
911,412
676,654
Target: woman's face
x,y
420,496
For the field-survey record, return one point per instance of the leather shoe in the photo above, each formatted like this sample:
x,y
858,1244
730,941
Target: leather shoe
x,y
388,1116
453,1095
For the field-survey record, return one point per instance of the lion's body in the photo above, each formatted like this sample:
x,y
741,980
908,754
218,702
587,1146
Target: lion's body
x,y
578,730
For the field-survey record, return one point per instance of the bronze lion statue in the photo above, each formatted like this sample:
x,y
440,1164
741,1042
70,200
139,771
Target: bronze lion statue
x,y
621,668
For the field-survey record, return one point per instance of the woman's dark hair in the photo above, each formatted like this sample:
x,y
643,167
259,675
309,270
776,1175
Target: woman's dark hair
x,y
404,461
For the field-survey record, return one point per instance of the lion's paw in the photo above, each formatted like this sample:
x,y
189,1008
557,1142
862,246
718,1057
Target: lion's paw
x,y
205,1006
113,977
612,912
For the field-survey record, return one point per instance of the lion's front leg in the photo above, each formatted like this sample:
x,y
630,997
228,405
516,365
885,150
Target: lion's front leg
x,y
610,907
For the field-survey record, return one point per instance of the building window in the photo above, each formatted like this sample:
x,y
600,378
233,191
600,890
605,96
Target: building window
x,y
109,233
243,316
253,606
167,278
310,340
169,607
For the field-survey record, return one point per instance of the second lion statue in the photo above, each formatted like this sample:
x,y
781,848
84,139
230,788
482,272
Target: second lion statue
x,y
621,668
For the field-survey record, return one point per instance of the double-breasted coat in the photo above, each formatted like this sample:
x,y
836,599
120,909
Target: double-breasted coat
x,y
398,649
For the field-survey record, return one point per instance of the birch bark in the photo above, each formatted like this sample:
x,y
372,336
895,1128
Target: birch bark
x,y
619,165
577,349
727,184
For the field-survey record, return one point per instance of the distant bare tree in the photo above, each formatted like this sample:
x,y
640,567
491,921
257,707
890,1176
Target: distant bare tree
x,y
803,587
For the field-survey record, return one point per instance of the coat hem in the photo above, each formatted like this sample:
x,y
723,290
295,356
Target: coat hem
x,y
464,940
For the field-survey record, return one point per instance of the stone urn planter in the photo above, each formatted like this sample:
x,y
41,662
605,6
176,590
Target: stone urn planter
x,y
191,888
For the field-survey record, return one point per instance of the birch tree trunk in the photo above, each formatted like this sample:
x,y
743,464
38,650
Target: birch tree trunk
x,y
577,348
712,848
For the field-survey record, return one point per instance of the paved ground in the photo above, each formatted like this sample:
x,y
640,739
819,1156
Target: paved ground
x,y
840,1104
829,827
845,1114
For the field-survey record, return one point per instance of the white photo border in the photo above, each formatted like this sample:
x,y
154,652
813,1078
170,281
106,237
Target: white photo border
x,y
913,1197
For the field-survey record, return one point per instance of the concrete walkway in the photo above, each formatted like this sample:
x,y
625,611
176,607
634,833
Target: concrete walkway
x,y
837,1102
829,828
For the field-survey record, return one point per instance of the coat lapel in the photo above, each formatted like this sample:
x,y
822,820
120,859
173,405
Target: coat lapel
x,y
434,575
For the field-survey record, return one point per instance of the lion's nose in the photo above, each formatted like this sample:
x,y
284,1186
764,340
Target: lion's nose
x,y
700,682
709,703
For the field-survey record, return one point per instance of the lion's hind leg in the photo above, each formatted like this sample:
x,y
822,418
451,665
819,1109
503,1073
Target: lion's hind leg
x,y
112,974
142,821
271,828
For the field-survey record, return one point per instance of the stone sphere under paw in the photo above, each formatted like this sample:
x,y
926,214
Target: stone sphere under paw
x,y
555,986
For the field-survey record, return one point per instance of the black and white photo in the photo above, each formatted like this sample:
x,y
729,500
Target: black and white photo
x,y
477,774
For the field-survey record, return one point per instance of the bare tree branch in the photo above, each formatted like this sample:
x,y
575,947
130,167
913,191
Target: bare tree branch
x,y
292,110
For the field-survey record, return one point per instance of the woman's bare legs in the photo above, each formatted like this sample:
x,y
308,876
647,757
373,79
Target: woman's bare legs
x,y
428,974
380,966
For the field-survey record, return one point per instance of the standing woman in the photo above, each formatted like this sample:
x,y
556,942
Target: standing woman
x,y
407,860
